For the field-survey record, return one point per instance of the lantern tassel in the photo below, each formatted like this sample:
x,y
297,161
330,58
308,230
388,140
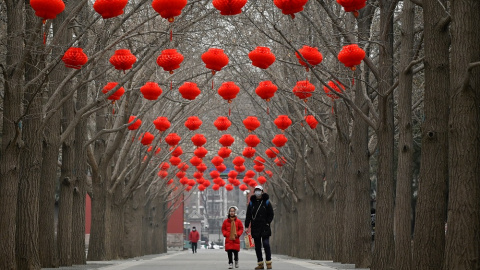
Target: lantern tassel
x,y
44,32
212,83
171,34
171,85
268,109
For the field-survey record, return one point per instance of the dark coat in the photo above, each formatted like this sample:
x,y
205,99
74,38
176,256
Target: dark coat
x,y
259,215
232,244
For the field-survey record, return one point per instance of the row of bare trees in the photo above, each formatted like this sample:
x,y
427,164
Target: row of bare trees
x,y
404,134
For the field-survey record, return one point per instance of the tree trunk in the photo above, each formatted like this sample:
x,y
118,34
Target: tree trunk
x,y
430,216
403,198
462,250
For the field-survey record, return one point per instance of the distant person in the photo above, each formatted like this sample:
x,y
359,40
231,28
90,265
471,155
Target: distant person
x,y
259,216
232,228
194,237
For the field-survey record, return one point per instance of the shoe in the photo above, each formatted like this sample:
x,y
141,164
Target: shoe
x,y
260,266
236,264
230,266
269,264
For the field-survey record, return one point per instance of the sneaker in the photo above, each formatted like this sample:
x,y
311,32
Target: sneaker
x,y
236,264
230,266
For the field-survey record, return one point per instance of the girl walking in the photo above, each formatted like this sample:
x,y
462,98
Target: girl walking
x,y
232,228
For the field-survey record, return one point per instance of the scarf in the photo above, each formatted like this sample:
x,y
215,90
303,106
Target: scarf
x,y
233,228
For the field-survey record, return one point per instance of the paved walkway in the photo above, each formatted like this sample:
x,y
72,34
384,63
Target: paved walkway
x,y
206,259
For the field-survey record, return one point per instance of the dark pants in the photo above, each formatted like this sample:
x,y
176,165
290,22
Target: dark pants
x,y
232,253
194,247
259,241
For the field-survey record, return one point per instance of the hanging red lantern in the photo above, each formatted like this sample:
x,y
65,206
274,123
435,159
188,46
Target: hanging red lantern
x,y
266,90
334,87
206,183
164,166
162,174
161,123
117,94
303,90
157,150
190,184
176,151
200,152
238,161
170,182
249,152
261,57
201,187
262,180
352,5
228,91
311,121
170,59
224,152
183,180
243,187
279,140
198,140
151,90
147,138
214,174
232,174
240,168
258,168
221,168
215,59
169,9
200,179
290,7
193,123
136,124
215,187
311,54
252,140
272,152
251,123
229,7
202,167
109,8
175,160
222,123
123,59
269,173
259,161
47,9
216,160
74,58
183,167
282,122
250,174
172,139
189,90
280,161
226,140
351,55
229,187
180,174
195,161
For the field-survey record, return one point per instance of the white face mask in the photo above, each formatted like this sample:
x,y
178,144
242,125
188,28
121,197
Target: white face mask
x,y
258,193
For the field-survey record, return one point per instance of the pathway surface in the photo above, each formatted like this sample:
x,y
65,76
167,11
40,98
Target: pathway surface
x,y
206,259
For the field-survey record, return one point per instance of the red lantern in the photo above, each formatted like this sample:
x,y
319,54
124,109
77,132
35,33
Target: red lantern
x,y
251,123
200,152
47,9
229,7
351,55
169,9
280,161
183,180
249,152
170,182
74,58
226,140
162,174
136,124
261,57
312,55
201,187
147,138
221,168
228,91
215,187
183,167
352,5
229,187
215,59
193,123
290,7
243,187
195,161
252,140
224,152
240,168
262,180
266,90
172,139
175,160
198,140
202,167
164,166
189,90
161,123
311,121
258,168
238,161
222,123
180,174
214,174
157,150
200,179
170,59
232,174
123,59
217,160
109,8
117,94
259,161
282,122
334,87
279,140
176,151
250,174
190,184
151,90
206,183
272,152
303,90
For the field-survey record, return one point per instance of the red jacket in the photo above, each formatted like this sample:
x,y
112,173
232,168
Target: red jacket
x,y
194,236
232,244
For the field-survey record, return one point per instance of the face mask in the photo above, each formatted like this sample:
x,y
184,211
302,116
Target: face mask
x,y
258,193
194,230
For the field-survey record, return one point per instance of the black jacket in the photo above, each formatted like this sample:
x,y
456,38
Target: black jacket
x,y
260,215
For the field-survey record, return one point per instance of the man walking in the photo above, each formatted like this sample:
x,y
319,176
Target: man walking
x,y
193,237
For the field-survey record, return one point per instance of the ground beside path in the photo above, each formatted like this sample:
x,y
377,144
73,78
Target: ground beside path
x,y
206,259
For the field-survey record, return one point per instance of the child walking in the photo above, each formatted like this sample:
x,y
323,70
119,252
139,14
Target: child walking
x,y
232,228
